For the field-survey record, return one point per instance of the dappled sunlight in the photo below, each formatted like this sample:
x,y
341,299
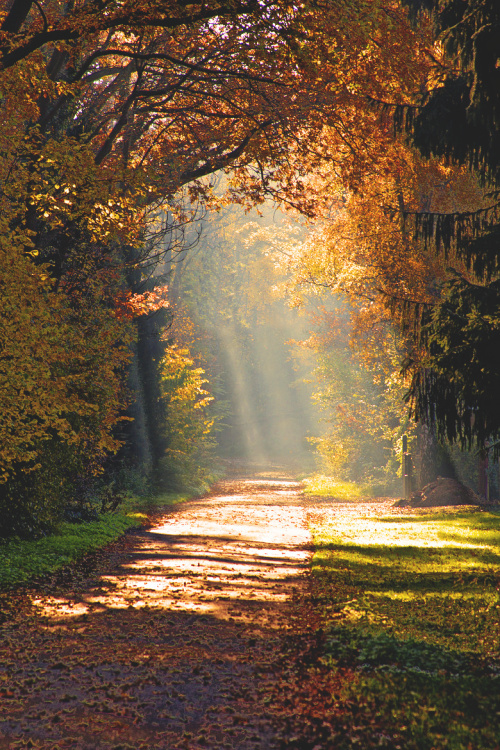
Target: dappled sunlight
x,y
411,596
423,579
328,487
384,560
178,634
208,559
375,532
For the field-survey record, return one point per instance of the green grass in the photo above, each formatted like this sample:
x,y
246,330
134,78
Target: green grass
x,y
324,486
21,561
411,614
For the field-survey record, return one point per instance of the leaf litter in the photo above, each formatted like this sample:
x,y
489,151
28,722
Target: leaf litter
x,y
204,631
169,638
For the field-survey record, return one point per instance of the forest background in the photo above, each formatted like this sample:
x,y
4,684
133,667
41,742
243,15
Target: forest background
x,y
134,137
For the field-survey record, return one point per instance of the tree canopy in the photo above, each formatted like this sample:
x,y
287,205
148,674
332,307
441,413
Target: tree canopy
x,y
116,119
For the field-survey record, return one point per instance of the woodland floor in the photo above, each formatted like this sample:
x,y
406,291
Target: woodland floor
x,y
196,633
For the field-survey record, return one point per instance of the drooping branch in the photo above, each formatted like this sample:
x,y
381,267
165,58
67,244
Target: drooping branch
x,y
220,161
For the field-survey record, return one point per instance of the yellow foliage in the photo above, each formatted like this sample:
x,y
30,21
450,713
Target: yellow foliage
x,y
59,371
188,424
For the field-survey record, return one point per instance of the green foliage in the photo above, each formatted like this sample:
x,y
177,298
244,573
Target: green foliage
x,y
22,560
422,711
410,609
362,408
32,503
329,487
348,645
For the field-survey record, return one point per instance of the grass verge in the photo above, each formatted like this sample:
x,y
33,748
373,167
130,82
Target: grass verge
x,y
323,486
23,560
410,611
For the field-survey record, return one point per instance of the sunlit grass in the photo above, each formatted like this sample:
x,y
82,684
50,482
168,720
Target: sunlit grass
x,y
411,605
329,487
368,532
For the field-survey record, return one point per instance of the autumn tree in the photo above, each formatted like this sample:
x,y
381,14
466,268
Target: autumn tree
x,y
365,254
111,108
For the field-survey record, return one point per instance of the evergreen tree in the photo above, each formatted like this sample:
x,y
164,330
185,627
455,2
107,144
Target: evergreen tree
x,y
456,385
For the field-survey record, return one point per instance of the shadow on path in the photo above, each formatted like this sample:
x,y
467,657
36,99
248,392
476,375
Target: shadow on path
x,y
176,644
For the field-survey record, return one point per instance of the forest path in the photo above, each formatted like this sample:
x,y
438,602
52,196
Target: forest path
x,y
176,641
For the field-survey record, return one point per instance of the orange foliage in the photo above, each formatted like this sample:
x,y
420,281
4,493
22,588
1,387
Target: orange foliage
x,y
129,305
107,115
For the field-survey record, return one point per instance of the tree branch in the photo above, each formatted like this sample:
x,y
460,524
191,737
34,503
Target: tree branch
x,y
135,18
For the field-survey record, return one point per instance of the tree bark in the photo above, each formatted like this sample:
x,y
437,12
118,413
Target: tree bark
x,y
17,16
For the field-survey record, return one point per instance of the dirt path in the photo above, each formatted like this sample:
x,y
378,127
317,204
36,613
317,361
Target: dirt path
x,y
176,643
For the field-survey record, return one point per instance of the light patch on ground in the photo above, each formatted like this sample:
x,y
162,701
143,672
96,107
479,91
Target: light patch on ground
x,y
372,532
243,548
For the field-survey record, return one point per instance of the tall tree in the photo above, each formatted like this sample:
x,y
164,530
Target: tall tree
x,y
111,108
457,121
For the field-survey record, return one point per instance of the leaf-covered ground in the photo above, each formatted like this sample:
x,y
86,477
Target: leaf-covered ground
x,y
208,631
172,638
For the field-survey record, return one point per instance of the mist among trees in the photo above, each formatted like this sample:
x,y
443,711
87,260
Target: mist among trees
x,y
148,323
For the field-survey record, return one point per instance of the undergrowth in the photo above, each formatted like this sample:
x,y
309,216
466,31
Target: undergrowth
x,y
410,610
337,490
